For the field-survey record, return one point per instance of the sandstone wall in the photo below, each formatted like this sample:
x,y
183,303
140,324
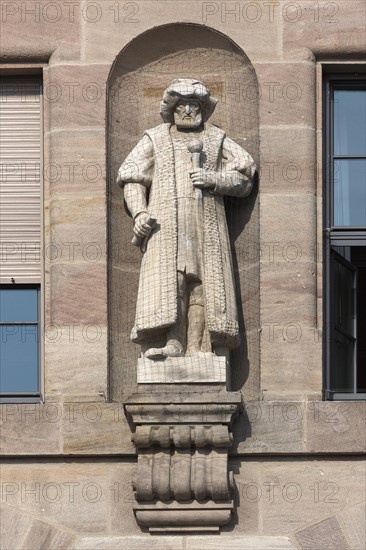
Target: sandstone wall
x,y
281,503
295,459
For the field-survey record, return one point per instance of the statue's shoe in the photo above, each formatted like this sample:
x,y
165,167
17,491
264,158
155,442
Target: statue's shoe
x,y
158,354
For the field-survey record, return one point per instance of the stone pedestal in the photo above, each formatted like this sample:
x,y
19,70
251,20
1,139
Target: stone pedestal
x,y
199,368
182,441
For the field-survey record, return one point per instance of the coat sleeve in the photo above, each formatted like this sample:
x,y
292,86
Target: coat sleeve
x,y
135,176
237,171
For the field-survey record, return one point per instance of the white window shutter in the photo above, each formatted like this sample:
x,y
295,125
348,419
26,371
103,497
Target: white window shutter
x,y
20,179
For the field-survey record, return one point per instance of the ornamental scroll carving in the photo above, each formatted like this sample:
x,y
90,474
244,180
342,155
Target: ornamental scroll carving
x,y
182,463
182,481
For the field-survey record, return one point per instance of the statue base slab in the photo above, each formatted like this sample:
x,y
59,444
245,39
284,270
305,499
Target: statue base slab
x,y
201,367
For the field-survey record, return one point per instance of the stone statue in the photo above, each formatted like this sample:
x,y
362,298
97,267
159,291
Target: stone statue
x,y
174,182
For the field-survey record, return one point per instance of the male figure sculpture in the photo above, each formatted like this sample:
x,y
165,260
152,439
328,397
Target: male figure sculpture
x,y
174,182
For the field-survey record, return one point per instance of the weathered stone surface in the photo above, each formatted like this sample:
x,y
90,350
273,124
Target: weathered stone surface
x,y
42,536
29,429
36,29
244,542
287,161
122,498
281,346
313,537
287,93
230,542
13,527
352,522
70,428
78,233
71,495
288,236
94,428
197,407
130,543
77,162
76,358
184,517
312,426
76,95
325,28
204,395
253,30
274,497
270,427
288,297
297,493
336,426
99,428
79,294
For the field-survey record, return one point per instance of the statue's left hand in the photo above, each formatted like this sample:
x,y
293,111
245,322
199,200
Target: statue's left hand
x,y
202,179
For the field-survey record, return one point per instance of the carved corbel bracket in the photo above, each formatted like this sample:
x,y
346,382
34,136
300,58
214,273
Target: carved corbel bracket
x,y
182,441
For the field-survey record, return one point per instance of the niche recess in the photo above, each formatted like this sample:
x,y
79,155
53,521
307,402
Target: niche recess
x,y
139,75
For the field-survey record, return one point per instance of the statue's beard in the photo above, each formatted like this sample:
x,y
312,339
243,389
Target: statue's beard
x,y
186,121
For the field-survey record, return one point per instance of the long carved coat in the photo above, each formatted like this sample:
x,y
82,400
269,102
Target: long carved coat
x,y
148,175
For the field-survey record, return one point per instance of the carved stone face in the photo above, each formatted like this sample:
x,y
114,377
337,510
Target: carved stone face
x,y
188,114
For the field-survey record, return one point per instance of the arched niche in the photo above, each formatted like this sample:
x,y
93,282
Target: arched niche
x,y
139,75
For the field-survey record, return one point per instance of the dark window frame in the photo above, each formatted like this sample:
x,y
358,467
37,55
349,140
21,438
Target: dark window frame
x,y
335,236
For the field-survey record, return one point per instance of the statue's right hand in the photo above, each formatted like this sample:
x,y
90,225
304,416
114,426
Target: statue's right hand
x,y
141,228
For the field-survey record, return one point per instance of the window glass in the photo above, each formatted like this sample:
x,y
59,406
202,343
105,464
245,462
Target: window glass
x,y
19,340
18,305
350,193
18,358
349,122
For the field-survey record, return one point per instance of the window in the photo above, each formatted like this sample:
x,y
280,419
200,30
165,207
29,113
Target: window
x,y
19,351
20,238
345,237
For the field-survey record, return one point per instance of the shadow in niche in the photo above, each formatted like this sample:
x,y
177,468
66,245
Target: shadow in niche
x,y
176,37
239,211
238,215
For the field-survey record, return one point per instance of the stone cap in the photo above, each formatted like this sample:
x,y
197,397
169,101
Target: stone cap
x,y
183,408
